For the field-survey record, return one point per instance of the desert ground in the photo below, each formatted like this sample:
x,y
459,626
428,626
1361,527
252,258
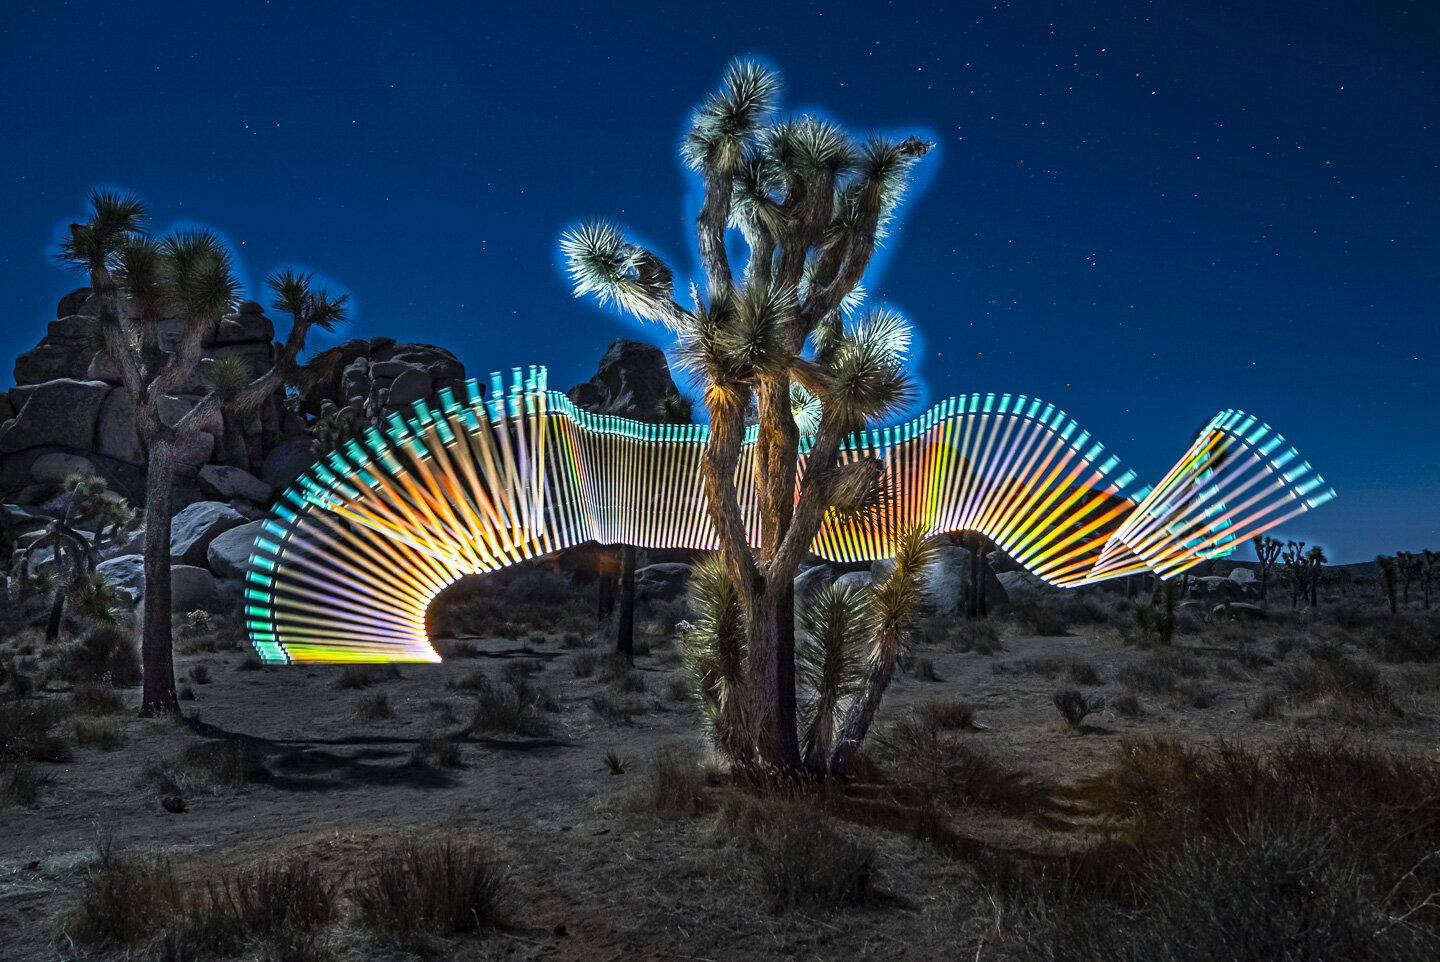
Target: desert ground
x,y
611,834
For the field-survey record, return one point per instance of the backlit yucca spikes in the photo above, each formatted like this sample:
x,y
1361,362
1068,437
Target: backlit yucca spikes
x,y
360,545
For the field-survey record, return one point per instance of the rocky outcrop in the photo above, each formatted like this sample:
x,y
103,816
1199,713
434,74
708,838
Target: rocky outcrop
x,y
229,484
64,352
62,411
368,380
287,462
632,381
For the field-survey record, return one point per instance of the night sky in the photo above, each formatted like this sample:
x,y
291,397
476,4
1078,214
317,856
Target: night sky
x,y
1144,215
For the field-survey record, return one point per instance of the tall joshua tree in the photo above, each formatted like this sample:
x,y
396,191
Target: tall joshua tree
x,y
139,282
1267,551
75,549
810,203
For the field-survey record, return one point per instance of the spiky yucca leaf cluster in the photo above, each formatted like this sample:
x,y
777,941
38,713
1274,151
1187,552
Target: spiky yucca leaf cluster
x,y
837,622
296,294
714,653
897,599
227,373
720,129
602,262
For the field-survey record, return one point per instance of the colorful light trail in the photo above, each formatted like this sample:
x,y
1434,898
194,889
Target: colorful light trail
x,y
363,541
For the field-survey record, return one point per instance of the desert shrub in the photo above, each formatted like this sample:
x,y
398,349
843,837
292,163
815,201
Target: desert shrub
x,y
27,732
584,663
954,771
1196,694
1148,678
124,899
92,699
520,669
106,654
1402,638
1127,705
614,709
673,786
439,751
363,676
629,682
432,887
1039,620
473,680
1269,705
20,783
678,689
250,662
924,670
104,735
210,764
200,674
953,714
1349,688
517,708
373,707
1046,668
1082,673
1074,707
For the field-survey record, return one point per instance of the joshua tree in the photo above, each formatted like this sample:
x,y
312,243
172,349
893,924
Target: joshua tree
x,y
1411,568
139,282
74,549
810,204
1388,578
1267,550
1432,563
1302,570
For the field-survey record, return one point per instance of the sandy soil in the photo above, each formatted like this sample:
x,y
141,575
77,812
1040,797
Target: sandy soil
x,y
593,879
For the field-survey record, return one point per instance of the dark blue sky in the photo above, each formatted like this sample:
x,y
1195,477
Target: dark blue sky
x,y
1143,212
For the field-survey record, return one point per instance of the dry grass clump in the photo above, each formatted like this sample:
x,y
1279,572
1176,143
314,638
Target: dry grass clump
x,y
209,765
981,637
1149,679
127,900
103,734
949,770
432,887
373,707
207,631
20,783
363,676
27,732
1404,638
473,680
584,663
1310,850
438,751
1341,687
515,708
674,786
92,699
802,859
953,714
617,709
1040,620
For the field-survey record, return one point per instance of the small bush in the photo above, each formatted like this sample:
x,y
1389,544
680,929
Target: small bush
x,y
373,707
616,763
1149,679
979,637
610,708
274,901
1269,705
210,764
250,662
200,674
1351,689
1037,620
1083,673
432,887
104,735
521,669
924,670
26,732
1074,707
93,699
955,771
20,784
473,680
584,663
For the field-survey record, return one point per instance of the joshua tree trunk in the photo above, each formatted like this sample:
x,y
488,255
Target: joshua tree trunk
x,y
57,611
159,663
625,635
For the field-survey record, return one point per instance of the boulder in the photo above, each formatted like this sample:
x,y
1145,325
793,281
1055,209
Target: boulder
x,y
229,552
71,303
63,353
854,580
127,574
812,580
632,379
949,579
173,407
1215,586
1028,589
410,386
195,453
286,462
1238,611
55,467
244,327
1243,576
225,483
662,581
190,588
116,434
133,544
192,530
62,411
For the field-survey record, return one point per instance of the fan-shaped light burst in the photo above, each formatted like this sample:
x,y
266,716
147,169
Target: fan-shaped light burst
x,y
362,543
